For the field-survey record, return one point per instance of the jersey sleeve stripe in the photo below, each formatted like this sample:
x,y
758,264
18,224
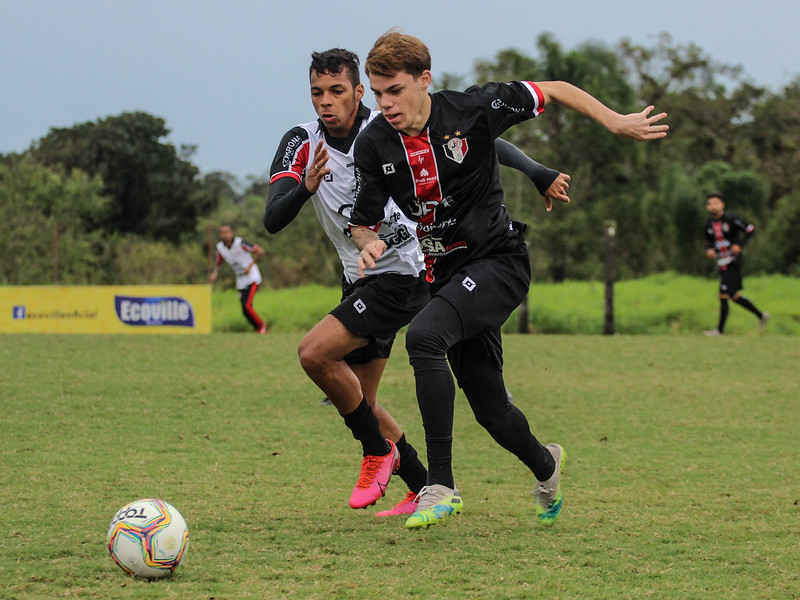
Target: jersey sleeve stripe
x,y
537,95
283,174
299,162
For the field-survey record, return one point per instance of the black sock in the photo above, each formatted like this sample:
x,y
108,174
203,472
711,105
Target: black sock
x,y
411,470
723,314
366,429
440,461
435,395
744,302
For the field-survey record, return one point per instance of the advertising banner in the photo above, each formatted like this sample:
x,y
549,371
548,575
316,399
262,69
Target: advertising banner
x,y
106,309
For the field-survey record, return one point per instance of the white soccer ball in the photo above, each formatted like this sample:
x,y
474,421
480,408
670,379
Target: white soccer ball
x,y
148,538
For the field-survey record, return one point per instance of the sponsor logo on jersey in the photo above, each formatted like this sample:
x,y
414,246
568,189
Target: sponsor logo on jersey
x,y
431,227
456,149
154,311
289,151
397,237
433,246
421,209
497,104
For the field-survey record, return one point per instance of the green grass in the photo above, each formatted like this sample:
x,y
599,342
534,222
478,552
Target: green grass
x,y
659,304
681,480
288,309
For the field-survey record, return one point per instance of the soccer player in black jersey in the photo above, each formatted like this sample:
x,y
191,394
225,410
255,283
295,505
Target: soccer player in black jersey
x,y
724,236
434,155
346,352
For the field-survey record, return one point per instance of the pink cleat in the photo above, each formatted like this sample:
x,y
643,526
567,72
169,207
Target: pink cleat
x,y
375,474
407,506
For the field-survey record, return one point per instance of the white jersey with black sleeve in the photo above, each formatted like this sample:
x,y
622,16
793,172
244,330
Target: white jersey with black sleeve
x,y
333,201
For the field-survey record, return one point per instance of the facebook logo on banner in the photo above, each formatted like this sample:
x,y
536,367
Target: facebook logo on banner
x,y
18,312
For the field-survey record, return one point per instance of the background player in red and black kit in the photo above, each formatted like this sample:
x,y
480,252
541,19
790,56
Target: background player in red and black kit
x,y
434,155
724,236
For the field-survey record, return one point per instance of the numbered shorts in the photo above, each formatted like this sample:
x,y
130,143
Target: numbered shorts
x,y
376,308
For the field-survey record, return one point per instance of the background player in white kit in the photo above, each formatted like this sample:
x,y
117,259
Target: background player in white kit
x,y
346,352
242,256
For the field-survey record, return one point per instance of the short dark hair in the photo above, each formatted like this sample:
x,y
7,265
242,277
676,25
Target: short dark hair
x,y
333,62
715,195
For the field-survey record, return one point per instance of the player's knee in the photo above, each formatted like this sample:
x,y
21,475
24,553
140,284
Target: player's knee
x,y
310,357
424,343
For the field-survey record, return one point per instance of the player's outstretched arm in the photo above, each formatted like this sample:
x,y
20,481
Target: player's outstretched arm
x,y
639,126
551,184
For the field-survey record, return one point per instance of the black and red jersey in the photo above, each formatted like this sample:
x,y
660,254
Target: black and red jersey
x,y
447,178
720,234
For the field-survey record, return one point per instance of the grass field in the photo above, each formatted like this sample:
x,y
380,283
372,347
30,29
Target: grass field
x,y
681,480
659,304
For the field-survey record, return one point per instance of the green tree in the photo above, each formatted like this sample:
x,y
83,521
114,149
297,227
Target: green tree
x,y
608,174
706,101
49,218
774,133
152,186
779,246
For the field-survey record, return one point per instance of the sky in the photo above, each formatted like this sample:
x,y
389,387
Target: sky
x,y
232,77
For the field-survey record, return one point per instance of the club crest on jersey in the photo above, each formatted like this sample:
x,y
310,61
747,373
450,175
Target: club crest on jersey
x,y
388,169
456,149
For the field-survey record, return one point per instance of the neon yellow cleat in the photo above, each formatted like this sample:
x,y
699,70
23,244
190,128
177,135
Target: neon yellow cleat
x,y
436,503
548,501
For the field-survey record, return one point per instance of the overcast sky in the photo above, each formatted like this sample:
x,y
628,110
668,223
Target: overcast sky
x,y
231,77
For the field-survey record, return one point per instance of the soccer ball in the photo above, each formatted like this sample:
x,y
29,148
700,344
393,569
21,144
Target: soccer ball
x,y
148,538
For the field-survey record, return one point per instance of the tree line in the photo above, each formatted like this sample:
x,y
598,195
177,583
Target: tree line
x,y
112,202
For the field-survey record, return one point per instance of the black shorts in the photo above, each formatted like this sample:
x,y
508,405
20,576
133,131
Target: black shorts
x,y
376,308
485,293
730,279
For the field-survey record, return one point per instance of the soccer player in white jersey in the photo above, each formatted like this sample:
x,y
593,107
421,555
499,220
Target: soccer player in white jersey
x,y
346,352
242,256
